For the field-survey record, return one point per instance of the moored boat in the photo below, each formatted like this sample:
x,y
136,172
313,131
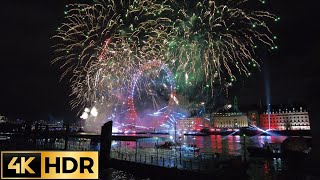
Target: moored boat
x,y
267,150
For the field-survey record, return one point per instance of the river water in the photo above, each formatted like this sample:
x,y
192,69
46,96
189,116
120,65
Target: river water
x,y
229,145
260,168
226,145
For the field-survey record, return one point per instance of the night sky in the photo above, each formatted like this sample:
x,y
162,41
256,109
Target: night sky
x,y
30,87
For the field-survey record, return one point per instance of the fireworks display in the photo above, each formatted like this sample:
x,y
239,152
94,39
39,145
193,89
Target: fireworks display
x,y
101,47
158,95
212,39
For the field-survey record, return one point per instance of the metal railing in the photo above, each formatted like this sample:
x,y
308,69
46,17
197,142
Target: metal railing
x,y
170,158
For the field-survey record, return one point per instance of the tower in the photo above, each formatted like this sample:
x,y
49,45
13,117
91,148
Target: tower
x,y
235,104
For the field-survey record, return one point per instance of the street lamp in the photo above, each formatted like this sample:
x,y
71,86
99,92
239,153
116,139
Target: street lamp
x,y
244,145
194,149
175,139
157,149
180,149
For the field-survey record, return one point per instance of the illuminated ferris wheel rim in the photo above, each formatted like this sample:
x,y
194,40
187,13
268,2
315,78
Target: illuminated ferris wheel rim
x,y
136,77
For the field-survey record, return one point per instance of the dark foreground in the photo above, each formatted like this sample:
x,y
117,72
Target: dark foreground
x,y
231,170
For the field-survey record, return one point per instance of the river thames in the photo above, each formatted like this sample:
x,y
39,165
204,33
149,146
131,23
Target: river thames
x,y
259,168
231,145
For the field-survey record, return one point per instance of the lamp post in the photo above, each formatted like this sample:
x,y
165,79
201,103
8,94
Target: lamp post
x,y
157,149
244,148
175,141
180,150
175,132
194,149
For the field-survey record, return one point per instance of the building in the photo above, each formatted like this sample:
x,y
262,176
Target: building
x,y
231,120
52,124
254,118
293,119
192,124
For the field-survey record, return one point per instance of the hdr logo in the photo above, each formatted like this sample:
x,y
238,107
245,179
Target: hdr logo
x,y
49,165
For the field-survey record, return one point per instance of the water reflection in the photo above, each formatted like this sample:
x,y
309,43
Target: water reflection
x,y
260,168
231,145
228,145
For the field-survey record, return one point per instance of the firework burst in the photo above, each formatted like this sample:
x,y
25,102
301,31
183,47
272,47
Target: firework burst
x,y
98,46
210,40
102,46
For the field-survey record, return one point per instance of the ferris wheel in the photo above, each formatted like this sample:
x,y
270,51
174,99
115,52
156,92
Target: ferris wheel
x,y
152,96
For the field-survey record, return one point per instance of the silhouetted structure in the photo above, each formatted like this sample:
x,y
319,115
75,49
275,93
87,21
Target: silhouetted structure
x,y
105,145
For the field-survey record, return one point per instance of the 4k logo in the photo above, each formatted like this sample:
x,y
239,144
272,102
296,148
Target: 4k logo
x,y
21,168
49,165
21,165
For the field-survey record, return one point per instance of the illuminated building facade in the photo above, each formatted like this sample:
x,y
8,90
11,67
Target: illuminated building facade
x,y
254,118
192,124
294,119
49,123
232,120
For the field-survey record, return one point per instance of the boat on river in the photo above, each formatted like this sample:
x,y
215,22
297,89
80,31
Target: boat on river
x,y
267,150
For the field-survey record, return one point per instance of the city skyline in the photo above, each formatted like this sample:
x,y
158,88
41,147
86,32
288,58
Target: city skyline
x,y
31,84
